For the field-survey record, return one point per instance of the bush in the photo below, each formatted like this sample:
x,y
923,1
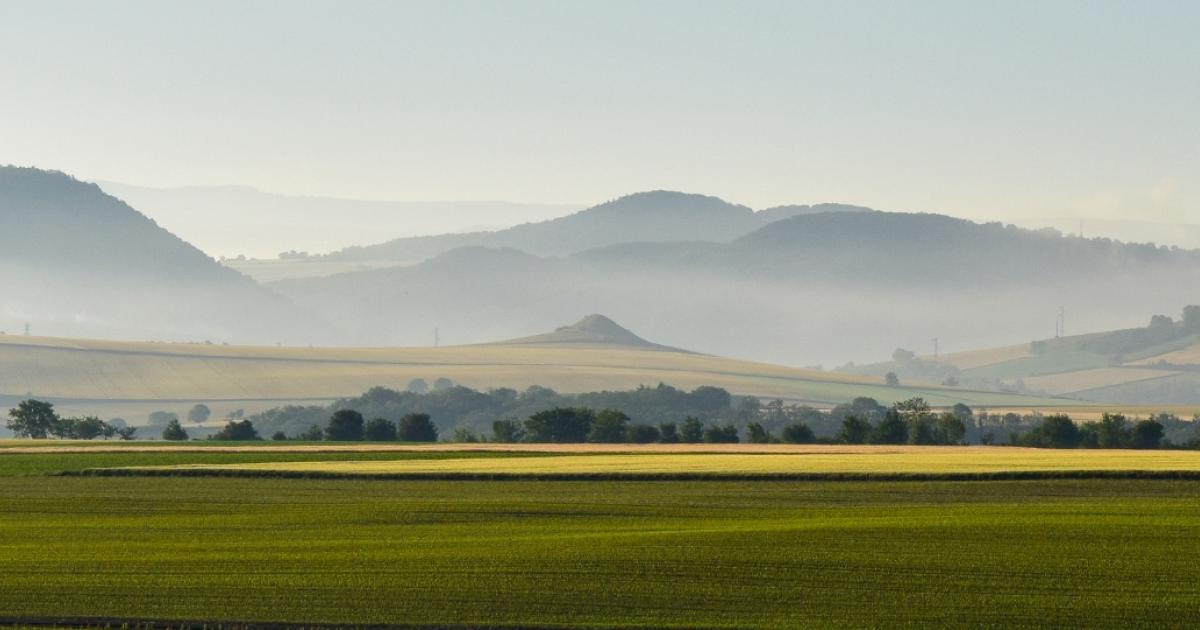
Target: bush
x,y
667,433
855,430
798,433
641,434
243,431
609,427
345,425
756,434
508,430
174,432
560,425
891,430
380,430
717,434
311,434
1147,434
416,427
692,431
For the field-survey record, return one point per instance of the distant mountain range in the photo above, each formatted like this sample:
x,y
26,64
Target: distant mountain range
x,y
76,261
798,285
657,216
813,286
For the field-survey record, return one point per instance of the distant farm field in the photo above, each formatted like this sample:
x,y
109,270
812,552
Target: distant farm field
x,y
139,376
588,554
815,460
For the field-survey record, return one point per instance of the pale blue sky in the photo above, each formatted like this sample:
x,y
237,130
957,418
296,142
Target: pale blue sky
x,y
994,110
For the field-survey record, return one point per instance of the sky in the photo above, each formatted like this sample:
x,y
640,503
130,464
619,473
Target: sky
x,y
987,110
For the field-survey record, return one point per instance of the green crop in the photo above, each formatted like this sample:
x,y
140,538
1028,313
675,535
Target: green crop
x,y
770,554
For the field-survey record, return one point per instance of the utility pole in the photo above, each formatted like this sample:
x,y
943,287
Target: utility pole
x,y
1060,324
935,347
26,329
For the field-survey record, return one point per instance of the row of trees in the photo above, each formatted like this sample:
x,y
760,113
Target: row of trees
x,y
908,422
1111,431
349,425
38,420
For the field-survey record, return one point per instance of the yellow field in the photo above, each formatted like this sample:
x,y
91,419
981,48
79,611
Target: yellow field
x,y
969,359
1186,356
757,461
91,370
1083,380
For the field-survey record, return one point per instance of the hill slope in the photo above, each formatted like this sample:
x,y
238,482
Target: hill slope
x,y
656,216
819,288
1155,364
131,378
75,260
593,330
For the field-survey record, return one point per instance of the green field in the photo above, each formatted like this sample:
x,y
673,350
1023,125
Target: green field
x,y
1096,553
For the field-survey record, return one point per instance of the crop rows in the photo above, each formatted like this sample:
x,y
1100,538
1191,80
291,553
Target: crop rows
x,y
1097,553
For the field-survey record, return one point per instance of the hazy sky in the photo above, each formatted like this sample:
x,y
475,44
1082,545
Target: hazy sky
x,y
983,109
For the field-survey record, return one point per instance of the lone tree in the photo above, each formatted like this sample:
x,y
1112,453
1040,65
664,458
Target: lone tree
x,y
891,430
416,427
641,434
691,431
891,379
1147,434
718,434
161,418
798,433
199,413
32,419
381,430
855,430
561,425
756,434
243,431
174,432
345,425
609,427
508,430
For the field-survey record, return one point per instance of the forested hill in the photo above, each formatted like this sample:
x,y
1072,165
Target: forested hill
x,y
76,261
917,250
818,288
657,216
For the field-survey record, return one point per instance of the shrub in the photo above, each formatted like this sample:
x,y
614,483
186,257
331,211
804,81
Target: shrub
x,y
416,427
174,432
798,433
641,434
345,425
380,430
717,434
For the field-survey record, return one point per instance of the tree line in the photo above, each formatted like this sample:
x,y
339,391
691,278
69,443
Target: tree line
x,y
861,421
38,420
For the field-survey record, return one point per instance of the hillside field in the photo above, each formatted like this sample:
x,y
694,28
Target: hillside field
x,y
134,378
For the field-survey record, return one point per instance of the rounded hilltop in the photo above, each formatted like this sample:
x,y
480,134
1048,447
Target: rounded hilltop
x,y
592,330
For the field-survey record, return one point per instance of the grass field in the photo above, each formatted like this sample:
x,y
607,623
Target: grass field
x,y
717,554
35,463
133,377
